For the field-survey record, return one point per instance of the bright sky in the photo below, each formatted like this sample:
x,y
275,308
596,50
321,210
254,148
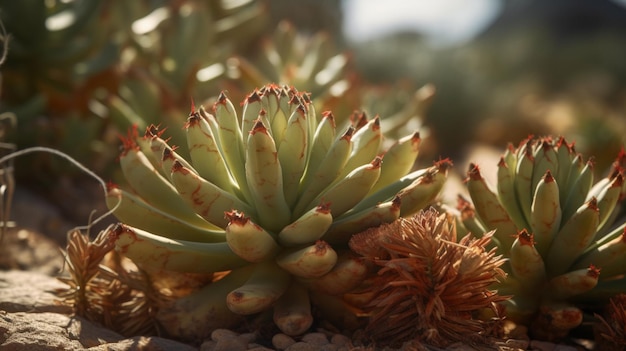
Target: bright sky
x,y
441,21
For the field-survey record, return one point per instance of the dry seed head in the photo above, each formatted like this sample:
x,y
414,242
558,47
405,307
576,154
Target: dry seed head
x,y
418,256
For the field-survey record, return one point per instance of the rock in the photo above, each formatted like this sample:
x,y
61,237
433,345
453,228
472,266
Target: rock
x,y
142,343
219,334
23,249
282,341
32,319
23,291
302,346
53,331
340,340
315,339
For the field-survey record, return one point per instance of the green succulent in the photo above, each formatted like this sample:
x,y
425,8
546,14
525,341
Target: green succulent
x,y
272,194
556,227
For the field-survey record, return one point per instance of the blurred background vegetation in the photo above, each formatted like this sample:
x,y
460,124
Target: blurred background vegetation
x,y
80,72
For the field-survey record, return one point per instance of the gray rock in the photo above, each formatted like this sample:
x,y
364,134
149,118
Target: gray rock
x,y
32,319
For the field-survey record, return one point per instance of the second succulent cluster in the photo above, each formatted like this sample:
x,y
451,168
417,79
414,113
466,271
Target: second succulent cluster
x,y
556,228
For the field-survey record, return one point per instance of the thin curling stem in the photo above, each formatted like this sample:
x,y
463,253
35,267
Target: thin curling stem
x,y
71,160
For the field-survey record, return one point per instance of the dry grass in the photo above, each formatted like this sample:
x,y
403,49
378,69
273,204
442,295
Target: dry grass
x,y
107,289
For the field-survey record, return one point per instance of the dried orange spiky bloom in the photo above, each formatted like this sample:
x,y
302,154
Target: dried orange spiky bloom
x,y
429,288
610,330
105,288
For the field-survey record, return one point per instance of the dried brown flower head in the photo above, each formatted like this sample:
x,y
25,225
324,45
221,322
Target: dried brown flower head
x,y
107,289
429,288
610,329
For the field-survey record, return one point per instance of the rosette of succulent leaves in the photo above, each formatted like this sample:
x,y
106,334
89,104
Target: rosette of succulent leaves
x,y
271,194
557,227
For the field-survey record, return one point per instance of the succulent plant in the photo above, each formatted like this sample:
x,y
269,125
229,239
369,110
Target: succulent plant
x,y
429,286
162,62
555,226
312,63
272,194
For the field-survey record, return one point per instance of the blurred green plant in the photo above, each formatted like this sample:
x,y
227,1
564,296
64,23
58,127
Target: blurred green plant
x,y
171,52
312,63
79,72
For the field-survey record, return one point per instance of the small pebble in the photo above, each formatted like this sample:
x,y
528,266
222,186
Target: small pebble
x,y
315,339
302,346
231,344
282,341
249,337
219,334
260,348
327,347
208,345
340,340
542,345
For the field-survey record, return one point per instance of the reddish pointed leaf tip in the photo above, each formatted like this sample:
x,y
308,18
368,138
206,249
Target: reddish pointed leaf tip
x,y
444,165
526,238
376,123
617,180
548,178
236,217
193,106
154,131
120,229
178,167
221,99
117,230
168,154
396,202
329,115
301,109
320,247
462,202
258,127
323,207
348,134
593,203
377,162
502,162
358,119
111,186
252,98
474,172
129,141
415,137
593,271
193,120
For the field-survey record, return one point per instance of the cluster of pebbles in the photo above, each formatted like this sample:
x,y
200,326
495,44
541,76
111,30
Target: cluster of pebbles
x,y
227,340
323,340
